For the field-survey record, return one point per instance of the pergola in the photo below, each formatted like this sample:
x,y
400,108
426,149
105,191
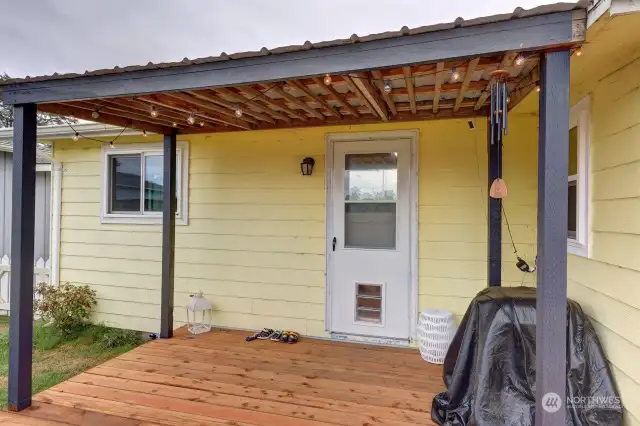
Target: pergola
x,y
429,73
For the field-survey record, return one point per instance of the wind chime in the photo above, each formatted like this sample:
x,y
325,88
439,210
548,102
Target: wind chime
x,y
499,101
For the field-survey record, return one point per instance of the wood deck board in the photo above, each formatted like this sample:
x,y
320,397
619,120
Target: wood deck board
x,y
219,379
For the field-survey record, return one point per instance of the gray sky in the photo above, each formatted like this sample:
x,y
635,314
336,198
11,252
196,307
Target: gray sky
x,y
47,36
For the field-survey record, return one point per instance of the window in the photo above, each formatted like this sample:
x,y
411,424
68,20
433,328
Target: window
x,y
578,183
133,184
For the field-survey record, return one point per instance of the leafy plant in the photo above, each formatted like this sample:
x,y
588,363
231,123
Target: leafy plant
x,y
115,338
66,307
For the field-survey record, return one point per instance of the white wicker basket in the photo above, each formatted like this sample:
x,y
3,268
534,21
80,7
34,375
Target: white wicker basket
x,y
436,329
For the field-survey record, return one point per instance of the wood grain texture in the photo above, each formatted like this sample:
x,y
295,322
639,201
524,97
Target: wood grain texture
x,y
219,379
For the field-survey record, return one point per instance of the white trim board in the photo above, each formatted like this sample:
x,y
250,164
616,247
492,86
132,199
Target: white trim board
x,y
414,136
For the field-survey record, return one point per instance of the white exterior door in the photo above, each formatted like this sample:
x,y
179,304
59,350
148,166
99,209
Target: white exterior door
x,y
369,252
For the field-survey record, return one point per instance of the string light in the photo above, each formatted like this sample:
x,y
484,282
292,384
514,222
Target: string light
x,y
538,89
455,75
154,112
76,136
327,79
111,144
238,112
191,119
387,87
95,114
144,133
174,124
519,61
202,124
578,51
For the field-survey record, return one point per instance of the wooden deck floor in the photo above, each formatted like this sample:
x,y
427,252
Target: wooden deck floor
x,y
219,379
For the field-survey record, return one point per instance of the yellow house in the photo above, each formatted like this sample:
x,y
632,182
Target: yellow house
x,y
395,203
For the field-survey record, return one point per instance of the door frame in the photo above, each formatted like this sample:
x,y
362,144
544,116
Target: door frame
x,y
330,140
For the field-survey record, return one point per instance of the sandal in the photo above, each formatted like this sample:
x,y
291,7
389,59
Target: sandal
x,y
262,335
293,337
275,337
285,337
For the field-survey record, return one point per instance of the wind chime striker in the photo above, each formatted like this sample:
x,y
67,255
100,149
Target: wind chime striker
x,y
499,101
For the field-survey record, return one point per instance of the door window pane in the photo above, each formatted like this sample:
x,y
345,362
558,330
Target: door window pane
x,y
369,303
573,210
125,183
153,183
573,151
371,192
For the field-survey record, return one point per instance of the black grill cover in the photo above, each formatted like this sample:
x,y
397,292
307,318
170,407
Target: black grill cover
x,y
490,368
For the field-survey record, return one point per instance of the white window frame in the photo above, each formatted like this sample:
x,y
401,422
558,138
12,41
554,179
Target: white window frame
x,y
142,218
580,118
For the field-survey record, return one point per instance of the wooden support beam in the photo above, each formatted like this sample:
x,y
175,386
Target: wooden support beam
x,y
68,111
361,81
117,111
551,300
168,234
377,75
465,83
256,94
313,97
171,105
363,100
208,106
206,97
251,103
437,86
337,96
408,79
292,99
506,59
22,246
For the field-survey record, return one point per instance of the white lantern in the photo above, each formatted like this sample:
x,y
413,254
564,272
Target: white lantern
x,y
198,306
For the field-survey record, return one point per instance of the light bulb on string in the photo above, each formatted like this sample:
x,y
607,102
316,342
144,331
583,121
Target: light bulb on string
x,y
238,112
578,51
538,89
387,87
76,136
202,124
111,144
191,119
95,114
153,112
144,133
519,61
174,124
455,75
327,79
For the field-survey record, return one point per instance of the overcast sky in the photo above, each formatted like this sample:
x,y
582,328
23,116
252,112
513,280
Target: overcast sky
x,y
46,36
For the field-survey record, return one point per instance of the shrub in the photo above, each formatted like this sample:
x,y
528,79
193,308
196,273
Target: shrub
x,y
66,307
116,338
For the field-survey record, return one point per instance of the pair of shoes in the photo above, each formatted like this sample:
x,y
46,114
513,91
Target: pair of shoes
x,y
289,337
265,334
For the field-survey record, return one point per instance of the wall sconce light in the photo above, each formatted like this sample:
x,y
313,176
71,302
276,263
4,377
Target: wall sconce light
x,y
306,166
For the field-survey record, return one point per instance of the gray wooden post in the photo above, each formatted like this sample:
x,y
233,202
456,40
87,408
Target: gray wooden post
x,y
22,246
551,306
168,235
494,213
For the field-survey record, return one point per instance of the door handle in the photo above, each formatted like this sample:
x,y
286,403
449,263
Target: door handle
x,y
334,243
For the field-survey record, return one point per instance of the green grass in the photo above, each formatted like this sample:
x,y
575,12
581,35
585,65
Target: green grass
x,y
57,358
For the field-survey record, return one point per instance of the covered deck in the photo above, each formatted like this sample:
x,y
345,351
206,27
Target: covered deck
x,y
219,379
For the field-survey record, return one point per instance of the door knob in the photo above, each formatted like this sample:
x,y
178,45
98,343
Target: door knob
x,y
334,243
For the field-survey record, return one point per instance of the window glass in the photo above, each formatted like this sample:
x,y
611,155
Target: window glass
x,y
371,192
573,151
153,183
125,172
573,210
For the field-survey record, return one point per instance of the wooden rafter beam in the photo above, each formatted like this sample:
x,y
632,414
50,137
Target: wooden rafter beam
x,y
173,106
207,106
465,83
363,100
361,81
257,94
68,111
145,109
506,59
313,97
525,86
408,79
377,75
337,97
206,97
235,97
438,86
117,111
300,103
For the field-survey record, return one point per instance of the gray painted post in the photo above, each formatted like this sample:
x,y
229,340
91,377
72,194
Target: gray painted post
x,y
551,305
494,214
22,245
168,235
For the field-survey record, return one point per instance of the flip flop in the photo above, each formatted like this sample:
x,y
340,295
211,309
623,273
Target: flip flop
x,y
275,337
293,337
285,337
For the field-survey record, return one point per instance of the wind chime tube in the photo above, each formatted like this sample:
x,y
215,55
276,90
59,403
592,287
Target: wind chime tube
x,y
504,110
492,113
